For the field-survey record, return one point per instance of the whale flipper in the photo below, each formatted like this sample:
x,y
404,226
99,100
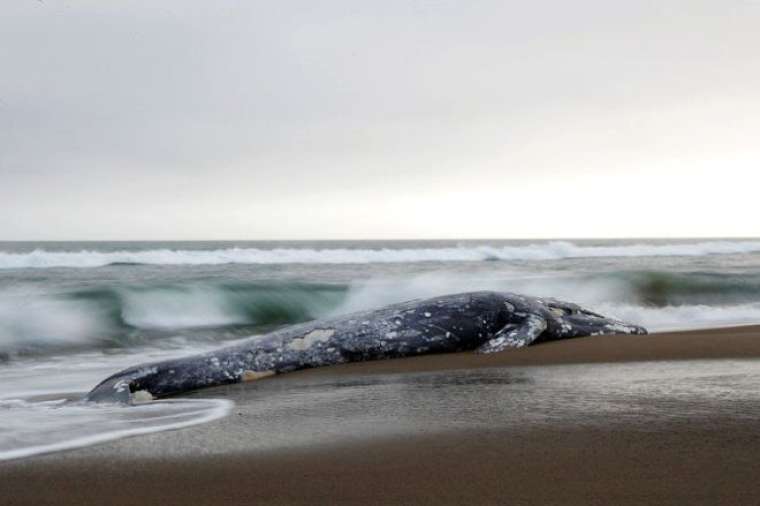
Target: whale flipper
x,y
515,336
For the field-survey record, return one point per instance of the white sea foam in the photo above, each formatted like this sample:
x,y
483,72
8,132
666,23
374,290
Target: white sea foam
x,y
555,250
31,428
36,320
193,306
686,317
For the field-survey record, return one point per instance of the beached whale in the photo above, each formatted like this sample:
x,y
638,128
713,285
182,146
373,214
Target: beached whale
x,y
483,321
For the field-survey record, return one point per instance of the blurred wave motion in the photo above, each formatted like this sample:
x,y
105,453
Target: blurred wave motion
x,y
118,296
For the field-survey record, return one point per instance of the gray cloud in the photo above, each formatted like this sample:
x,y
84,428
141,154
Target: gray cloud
x,y
347,119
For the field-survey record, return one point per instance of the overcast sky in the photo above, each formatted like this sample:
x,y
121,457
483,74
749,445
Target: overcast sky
x,y
393,119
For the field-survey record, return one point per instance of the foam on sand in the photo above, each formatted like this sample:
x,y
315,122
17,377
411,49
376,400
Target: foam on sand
x,y
31,428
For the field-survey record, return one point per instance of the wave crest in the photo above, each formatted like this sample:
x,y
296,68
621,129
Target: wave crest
x,y
555,250
127,316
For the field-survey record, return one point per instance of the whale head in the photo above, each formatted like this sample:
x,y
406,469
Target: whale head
x,y
571,320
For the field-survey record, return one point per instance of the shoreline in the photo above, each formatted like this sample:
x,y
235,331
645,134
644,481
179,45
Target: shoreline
x,y
734,342
703,460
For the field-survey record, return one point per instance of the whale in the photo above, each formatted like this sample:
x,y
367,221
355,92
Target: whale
x,y
484,322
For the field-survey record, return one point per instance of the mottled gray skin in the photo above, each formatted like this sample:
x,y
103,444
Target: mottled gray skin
x,y
483,321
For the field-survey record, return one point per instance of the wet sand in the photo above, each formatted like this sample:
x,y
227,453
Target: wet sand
x,y
706,459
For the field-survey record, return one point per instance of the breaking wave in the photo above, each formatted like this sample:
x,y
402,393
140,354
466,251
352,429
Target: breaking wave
x,y
175,314
128,316
556,250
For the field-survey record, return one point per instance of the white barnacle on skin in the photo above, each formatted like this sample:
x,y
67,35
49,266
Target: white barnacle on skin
x,y
147,370
427,315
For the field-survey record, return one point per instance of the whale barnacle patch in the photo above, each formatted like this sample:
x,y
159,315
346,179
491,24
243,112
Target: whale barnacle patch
x,y
308,340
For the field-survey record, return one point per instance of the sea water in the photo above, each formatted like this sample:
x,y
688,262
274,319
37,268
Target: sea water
x,y
73,313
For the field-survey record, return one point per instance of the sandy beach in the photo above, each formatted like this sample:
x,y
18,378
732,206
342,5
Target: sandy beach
x,y
681,454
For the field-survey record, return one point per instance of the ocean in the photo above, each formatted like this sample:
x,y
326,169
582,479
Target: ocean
x,y
72,313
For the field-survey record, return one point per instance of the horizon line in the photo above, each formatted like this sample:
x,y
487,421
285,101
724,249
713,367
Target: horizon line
x,y
385,239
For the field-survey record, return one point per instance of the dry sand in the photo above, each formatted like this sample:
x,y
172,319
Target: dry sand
x,y
709,461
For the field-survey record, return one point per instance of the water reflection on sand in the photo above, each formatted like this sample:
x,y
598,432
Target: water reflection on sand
x,y
307,410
